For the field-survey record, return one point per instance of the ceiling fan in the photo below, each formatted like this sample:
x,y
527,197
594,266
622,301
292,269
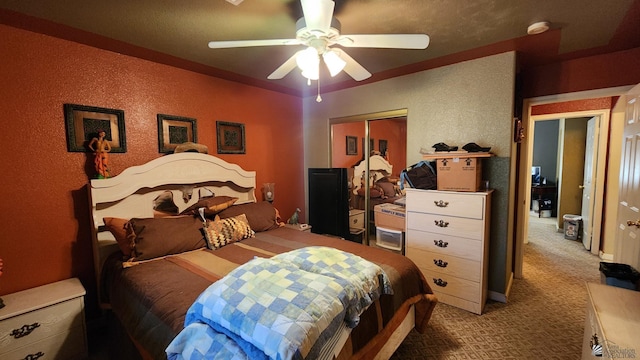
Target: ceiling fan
x,y
318,30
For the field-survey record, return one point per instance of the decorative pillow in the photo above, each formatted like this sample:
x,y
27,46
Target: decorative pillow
x,y
221,232
261,215
156,237
212,205
118,227
374,192
387,187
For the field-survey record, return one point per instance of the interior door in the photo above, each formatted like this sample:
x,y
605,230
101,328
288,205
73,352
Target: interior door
x,y
628,239
588,189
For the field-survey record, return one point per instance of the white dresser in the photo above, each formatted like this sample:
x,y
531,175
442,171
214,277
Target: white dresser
x,y
447,236
612,325
44,322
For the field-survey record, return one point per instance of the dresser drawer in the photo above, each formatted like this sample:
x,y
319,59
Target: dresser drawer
x,y
446,203
452,285
66,345
445,264
40,324
447,225
445,245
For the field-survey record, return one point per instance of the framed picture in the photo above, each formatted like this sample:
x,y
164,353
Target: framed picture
x,y
352,145
382,146
231,138
371,145
175,130
83,123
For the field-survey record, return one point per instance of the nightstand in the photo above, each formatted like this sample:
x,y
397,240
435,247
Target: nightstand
x,y
46,321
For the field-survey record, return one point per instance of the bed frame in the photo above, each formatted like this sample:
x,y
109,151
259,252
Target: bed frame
x,y
131,194
379,167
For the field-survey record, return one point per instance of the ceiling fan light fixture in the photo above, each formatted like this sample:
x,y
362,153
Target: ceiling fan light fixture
x,y
334,63
538,27
308,61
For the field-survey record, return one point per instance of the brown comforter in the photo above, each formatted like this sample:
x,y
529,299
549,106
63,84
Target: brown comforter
x,y
152,298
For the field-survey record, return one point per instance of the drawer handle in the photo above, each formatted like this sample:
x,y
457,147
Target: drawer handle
x,y
439,282
596,348
35,356
24,330
440,243
440,263
440,203
441,223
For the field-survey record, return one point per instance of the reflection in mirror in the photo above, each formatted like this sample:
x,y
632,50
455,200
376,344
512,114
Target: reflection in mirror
x,y
380,160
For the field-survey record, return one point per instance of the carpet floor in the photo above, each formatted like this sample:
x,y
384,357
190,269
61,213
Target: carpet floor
x,y
544,316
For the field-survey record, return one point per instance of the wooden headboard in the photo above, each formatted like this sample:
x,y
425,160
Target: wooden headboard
x,y
131,193
379,167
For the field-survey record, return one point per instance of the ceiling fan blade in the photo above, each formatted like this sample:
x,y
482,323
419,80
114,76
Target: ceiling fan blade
x,y
389,41
285,68
353,68
318,14
250,43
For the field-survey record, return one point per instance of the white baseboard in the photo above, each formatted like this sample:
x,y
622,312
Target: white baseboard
x,y
496,296
605,257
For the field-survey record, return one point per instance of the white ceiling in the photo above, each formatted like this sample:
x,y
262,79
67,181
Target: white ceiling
x,y
459,30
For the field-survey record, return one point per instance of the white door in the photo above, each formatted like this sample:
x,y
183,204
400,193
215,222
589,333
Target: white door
x,y
588,189
628,237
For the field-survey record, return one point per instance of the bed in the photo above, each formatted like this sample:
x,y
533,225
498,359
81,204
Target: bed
x,y
151,296
383,186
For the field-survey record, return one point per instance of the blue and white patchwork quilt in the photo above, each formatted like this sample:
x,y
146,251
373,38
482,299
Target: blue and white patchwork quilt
x,y
284,307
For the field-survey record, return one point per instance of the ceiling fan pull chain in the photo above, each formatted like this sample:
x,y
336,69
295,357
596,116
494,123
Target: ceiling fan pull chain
x,y
319,98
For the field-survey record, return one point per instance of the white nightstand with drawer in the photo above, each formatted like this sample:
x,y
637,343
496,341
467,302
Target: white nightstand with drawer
x,y
447,236
44,322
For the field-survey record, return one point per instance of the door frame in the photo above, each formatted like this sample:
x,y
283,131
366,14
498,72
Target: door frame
x,y
526,154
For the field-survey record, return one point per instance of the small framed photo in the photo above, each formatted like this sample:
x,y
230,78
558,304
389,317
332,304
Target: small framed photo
x,y
352,145
372,143
175,130
231,138
83,123
382,146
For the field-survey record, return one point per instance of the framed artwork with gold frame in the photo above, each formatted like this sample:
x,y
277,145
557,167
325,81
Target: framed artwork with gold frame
x,y
175,130
231,138
83,123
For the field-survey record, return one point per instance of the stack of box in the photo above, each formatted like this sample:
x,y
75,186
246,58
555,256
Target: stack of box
x,y
390,225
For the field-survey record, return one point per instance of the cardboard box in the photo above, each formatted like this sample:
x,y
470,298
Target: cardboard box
x,y
459,174
389,216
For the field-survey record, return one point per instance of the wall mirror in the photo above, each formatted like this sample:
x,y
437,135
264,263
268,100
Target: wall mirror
x,y
371,147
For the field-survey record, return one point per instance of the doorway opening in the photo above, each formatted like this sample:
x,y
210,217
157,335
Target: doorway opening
x,y
595,103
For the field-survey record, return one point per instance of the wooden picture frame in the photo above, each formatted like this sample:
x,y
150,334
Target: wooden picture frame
x,y
382,146
84,122
352,145
231,138
175,130
372,144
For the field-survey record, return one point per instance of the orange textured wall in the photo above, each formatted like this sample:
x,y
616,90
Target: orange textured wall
x,y
45,234
594,72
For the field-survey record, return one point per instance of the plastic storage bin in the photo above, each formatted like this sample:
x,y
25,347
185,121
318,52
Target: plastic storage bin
x,y
389,238
572,226
619,275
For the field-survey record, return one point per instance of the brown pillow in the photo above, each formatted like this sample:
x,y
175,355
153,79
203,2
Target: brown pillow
x,y
261,215
212,205
387,187
156,237
374,192
221,232
118,227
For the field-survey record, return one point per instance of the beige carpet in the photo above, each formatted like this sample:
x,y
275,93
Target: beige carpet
x,y
544,317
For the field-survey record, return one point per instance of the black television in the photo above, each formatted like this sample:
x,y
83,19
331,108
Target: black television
x,y
329,201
